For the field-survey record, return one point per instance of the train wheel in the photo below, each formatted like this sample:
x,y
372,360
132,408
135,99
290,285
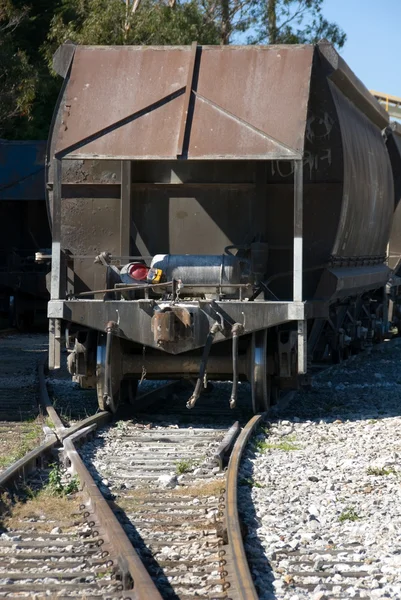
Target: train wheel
x,y
261,382
108,396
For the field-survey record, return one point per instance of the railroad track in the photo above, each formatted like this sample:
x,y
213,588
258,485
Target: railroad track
x,y
158,516
176,536
163,473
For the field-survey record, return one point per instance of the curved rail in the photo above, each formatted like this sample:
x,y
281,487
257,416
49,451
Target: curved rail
x,y
135,578
100,515
243,579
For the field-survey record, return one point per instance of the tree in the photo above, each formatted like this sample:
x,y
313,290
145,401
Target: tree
x,y
139,22
17,77
31,31
295,22
28,91
231,16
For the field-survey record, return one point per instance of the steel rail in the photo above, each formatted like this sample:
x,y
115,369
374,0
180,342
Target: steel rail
x,y
97,420
45,401
136,581
244,586
27,464
135,578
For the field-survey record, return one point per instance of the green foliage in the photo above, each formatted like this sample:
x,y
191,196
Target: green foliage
x,y
107,574
286,445
184,466
56,487
28,91
295,22
104,22
49,423
25,441
31,31
381,472
349,514
249,482
17,76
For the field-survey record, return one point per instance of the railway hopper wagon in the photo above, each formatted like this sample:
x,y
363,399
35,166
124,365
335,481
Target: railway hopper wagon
x,y
25,231
217,213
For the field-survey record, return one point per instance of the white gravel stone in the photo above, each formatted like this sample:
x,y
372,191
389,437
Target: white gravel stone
x,y
56,530
167,481
328,486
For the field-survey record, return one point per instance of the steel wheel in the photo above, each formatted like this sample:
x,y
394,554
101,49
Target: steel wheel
x,y
108,403
260,379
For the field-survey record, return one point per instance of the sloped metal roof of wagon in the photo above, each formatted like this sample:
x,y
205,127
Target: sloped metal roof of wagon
x,y
208,102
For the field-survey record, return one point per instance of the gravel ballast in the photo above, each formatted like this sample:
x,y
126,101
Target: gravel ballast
x,y
323,478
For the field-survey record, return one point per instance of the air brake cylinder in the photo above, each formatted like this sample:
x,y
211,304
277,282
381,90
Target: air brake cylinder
x,y
202,273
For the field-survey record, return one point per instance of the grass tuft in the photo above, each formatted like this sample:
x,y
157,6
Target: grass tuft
x,y
184,466
41,506
381,472
349,514
249,482
56,486
25,440
286,445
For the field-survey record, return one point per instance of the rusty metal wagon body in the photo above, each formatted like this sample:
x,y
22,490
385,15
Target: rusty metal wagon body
x,y
211,207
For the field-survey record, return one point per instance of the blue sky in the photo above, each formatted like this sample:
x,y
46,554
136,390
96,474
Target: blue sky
x,y
373,46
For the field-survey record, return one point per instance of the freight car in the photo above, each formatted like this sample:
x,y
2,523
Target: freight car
x,y
25,230
219,213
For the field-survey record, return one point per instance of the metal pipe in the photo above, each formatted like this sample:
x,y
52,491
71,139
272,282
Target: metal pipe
x,y
236,330
131,288
106,386
134,286
206,351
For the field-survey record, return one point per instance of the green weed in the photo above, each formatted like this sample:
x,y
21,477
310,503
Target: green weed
x,y
184,466
380,472
286,445
249,482
24,442
56,487
349,514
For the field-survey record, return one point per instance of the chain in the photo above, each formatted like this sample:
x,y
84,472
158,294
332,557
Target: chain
x,y
143,375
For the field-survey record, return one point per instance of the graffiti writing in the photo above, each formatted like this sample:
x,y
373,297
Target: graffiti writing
x,y
311,160
318,127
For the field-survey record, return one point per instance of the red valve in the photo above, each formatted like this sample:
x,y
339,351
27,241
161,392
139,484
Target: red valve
x,y
138,271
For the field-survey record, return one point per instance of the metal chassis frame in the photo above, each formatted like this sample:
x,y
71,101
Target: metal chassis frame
x,y
58,304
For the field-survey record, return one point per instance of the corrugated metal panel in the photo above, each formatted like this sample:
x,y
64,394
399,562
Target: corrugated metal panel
x,y
130,102
368,192
393,141
22,175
